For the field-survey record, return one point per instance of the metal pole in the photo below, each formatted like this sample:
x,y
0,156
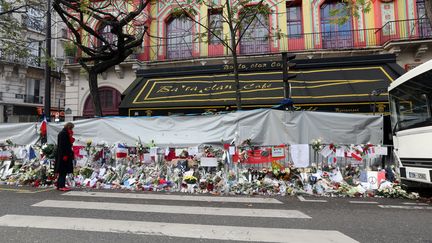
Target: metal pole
x,y
47,105
285,75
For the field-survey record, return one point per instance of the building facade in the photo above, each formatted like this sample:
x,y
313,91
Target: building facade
x,y
302,27
22,80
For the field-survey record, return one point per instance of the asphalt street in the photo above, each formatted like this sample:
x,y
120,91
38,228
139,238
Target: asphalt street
x,y
47,215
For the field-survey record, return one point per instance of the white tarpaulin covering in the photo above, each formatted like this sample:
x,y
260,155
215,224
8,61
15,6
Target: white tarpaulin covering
x,y
19,133
264,127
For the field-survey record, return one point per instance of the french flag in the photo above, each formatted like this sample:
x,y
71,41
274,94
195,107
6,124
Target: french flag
x,y
121,151
43,127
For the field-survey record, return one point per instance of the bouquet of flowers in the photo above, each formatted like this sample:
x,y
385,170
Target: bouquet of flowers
x,y
394,190
49,150
190,179
317,144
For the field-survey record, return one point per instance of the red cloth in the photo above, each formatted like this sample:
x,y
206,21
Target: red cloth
x,y
171,155
65,158
71,138
43,128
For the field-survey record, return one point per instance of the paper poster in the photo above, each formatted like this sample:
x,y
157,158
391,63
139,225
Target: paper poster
x,y
340,152
381,150
374,178
192,151
300,155
81,162
278,151
5,155
147,158
83,152
153,151
178,151
232,150
326,151
4,169
102,172
208,162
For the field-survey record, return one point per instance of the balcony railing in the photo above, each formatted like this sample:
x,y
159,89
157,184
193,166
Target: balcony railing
x,y
400,30
33,99
32,61
410,29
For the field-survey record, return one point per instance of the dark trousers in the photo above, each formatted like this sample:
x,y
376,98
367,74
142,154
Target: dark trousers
x,y
61,181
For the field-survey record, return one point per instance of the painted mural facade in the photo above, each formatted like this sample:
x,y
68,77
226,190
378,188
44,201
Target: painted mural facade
x,y
302,27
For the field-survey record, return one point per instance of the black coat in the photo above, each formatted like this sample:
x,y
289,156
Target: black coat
x,y
64,148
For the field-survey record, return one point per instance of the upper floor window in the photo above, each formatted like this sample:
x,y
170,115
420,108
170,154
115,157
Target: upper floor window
x,y
335,35
34,19
256,37
105,32
215,25
34,51
425,26
294,21
179,38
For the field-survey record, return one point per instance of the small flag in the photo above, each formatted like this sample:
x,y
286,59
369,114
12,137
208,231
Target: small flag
x,y
31,153
356,156
121,151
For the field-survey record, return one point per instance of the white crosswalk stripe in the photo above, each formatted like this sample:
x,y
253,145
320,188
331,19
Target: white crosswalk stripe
x,y
252,234
173,197
99,201
149,208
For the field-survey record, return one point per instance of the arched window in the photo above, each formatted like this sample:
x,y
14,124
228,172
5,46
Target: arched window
x,y
256,37
110,100
335,35
179,38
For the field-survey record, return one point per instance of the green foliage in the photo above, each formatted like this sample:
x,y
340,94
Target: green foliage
x,y
70,49
350,8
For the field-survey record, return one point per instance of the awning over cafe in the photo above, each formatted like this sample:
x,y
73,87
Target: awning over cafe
x,y
317,83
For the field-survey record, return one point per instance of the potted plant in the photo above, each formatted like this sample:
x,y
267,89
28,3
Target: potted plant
x,y
70,50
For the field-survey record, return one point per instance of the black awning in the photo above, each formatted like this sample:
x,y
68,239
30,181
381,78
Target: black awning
x,y
310,86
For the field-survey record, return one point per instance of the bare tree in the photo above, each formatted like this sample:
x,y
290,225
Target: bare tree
x,y
239,15
123,30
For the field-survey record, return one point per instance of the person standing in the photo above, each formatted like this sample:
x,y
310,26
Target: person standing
x,y
65,155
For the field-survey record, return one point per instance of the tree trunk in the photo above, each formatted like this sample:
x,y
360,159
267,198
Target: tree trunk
x,y
94,92
428,7
236,75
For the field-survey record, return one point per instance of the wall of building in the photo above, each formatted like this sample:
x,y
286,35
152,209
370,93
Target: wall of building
x,y
18,76
119,78
386,19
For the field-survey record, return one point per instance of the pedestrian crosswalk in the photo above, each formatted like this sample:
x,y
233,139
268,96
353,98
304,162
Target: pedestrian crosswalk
x,y
208,206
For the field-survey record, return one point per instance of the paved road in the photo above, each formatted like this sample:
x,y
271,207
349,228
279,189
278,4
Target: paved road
x,y
28,215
